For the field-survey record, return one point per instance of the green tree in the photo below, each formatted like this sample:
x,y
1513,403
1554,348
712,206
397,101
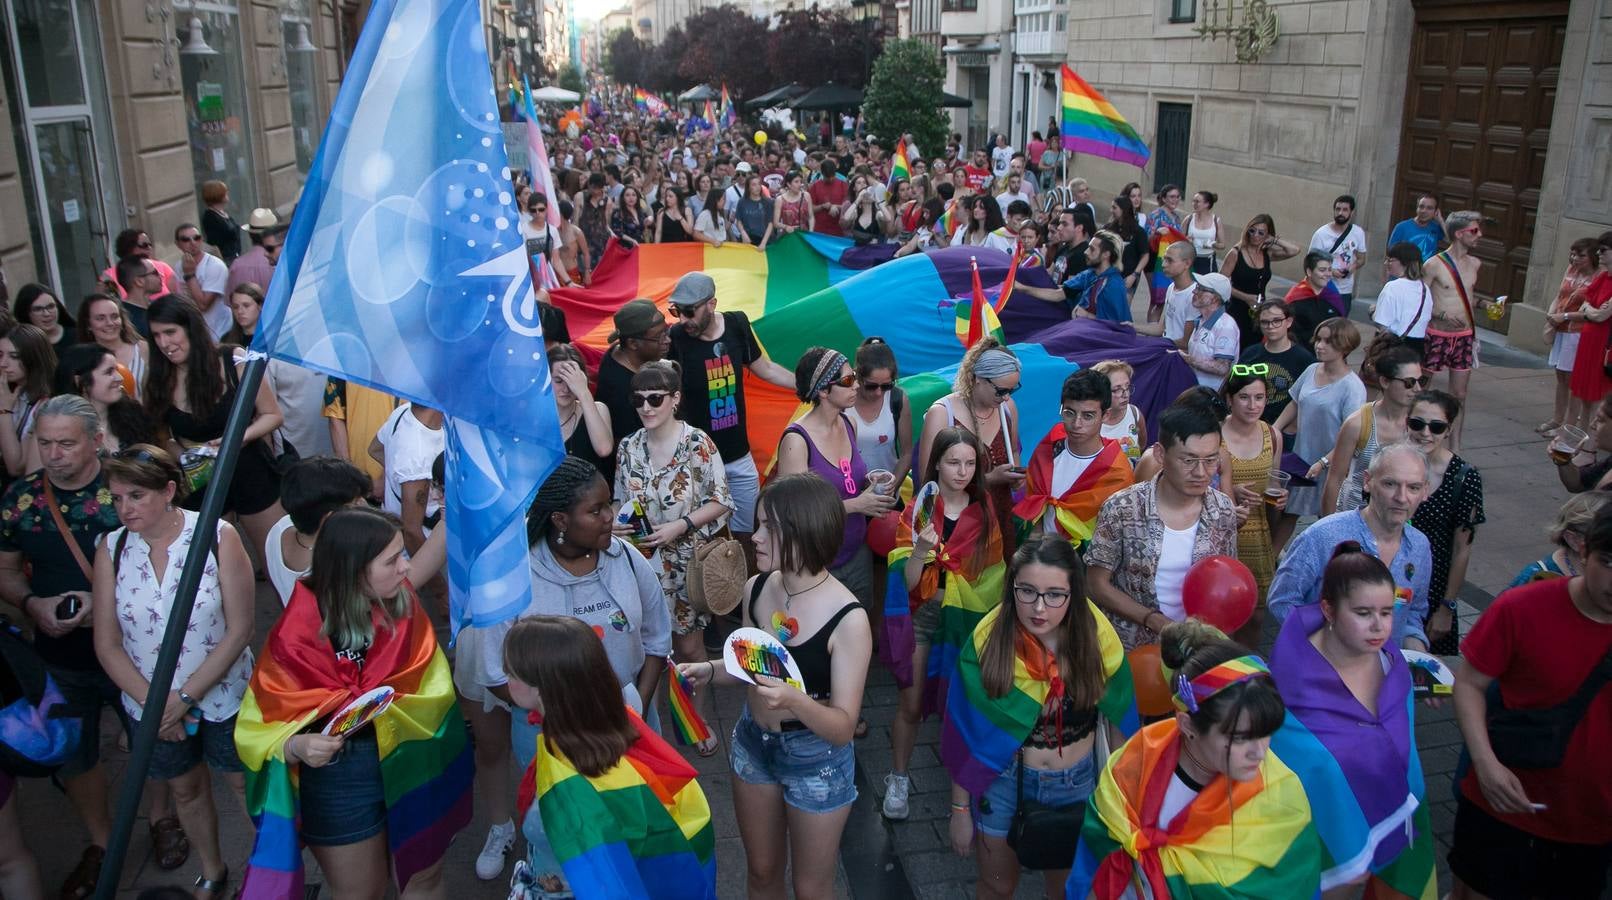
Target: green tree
x,y
904,96
571,79
624,56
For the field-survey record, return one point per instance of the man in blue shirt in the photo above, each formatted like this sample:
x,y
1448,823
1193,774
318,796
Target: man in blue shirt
x,y
1099,292
1397,482
1426,230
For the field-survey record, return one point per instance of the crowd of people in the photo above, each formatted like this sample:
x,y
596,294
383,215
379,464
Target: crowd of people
x,y
1026,572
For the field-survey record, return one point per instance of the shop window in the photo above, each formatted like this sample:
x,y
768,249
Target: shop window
x,y
212,74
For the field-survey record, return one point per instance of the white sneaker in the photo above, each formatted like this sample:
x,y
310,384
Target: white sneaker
x,y
500,840
896,788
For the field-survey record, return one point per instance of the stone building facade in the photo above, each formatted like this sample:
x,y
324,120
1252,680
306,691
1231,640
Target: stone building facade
x,y
1505,107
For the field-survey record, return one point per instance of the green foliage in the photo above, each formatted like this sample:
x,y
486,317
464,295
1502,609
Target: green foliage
x,y
571,80
624,56
904,96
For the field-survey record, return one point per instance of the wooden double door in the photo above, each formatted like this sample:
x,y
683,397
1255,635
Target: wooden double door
x,y
1478,104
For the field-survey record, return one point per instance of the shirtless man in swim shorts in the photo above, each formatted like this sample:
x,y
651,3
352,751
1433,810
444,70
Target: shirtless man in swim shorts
x,y
1452,277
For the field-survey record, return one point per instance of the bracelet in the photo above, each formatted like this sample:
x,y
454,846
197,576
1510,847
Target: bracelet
x,y
187,699
959,807
690,523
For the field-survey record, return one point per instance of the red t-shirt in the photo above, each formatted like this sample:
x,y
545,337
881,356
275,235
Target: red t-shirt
x,y
828,190
1541,648
978,179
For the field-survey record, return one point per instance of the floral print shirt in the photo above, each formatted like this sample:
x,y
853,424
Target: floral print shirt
x,y
693,478
1129,539
144,600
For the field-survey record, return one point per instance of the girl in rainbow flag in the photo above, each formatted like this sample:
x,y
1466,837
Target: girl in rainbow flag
x,y
943,579
389,794
619,806
1041,689
1350,735
1197,805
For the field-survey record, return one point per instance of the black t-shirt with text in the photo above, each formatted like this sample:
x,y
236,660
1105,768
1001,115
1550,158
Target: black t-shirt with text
x,y
713,382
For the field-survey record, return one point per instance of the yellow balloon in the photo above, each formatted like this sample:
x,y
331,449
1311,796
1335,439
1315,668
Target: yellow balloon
x,y
761,138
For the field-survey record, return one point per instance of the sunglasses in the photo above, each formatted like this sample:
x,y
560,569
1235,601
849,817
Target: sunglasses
x,y
1002,391
687,312
188,238
1415,423
1254,369
651,400
845,472
879,387
846,380
1413,383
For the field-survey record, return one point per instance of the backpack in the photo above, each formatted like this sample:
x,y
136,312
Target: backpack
x,y
39,731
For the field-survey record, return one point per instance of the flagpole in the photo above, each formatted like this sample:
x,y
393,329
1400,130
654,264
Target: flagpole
x,y
201,546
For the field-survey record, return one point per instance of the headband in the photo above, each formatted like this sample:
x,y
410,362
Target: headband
x,y
828,369
1189,693
995,363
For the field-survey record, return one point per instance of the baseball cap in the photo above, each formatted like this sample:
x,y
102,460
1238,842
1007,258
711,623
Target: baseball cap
x,y
1216,282
635,319
742,167
695,287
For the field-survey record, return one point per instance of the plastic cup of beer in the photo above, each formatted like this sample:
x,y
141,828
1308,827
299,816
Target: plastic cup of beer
x,y
1565,444
1276,488
882,481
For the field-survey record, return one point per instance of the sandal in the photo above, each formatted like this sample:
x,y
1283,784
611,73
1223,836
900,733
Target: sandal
x,y
214,886
169,844
709,746
80,884
1547,428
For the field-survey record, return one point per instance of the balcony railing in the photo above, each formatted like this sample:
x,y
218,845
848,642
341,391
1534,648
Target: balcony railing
x,y
1039,43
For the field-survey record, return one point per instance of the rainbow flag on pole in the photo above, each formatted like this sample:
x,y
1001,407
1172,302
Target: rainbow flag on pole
x,y
640,99
729,116
1092,125
641,829
900,164
978,318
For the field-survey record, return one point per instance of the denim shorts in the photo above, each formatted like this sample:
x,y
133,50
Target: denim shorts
x,y
87,691
343,801
213,742
817,777
744,483
993,811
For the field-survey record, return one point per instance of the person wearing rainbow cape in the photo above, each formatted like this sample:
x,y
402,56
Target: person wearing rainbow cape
x,y
621,809
1039,690
390,794
1350,732
1197,805
1074,468
943,580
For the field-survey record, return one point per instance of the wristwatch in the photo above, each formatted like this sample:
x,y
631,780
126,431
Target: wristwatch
x,y
187,699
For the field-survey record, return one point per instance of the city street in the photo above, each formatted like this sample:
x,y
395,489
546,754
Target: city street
x,y
1511,393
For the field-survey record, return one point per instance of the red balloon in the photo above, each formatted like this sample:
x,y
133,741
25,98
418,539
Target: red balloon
x,y
1147,674
882,533
1221,591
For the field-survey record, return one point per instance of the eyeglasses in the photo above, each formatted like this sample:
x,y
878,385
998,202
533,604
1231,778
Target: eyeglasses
x,y
1029,596
652,400
1118,389
1199,463
188,238
878,387
689,311
1411,384
845,472
1003,391
1415,423
1252,369
1273,323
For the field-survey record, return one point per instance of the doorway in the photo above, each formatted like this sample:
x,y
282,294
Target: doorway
x,y
1174,141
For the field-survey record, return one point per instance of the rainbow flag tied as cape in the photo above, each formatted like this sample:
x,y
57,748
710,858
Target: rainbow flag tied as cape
x,y
1251,839
980,733
1365,785
971,590
426,760
1076,511
642,829
1092,125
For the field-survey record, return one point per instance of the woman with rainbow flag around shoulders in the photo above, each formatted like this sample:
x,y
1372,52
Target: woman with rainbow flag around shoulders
x,y
943,579
620,807
378,794
1197,805
1041,689
1350,732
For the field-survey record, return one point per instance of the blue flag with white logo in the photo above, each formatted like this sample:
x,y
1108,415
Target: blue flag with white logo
x,y
404,269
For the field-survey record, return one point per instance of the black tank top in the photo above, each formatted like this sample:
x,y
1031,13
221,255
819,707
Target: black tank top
x,y
811,654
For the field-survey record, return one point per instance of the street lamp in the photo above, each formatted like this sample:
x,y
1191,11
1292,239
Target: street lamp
x,y
867,13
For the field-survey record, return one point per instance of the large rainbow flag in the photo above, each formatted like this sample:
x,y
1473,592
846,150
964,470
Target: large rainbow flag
x,y
641,829
981,733
426,760
1092,125
808,289
1249,840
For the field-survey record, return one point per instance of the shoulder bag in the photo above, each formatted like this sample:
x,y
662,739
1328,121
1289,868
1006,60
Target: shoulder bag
x,y
1538,738
716,575
1044,837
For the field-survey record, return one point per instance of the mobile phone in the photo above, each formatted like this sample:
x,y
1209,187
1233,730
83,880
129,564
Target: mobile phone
x,y
68,608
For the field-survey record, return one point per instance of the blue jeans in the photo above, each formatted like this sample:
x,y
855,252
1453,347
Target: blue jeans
x,y
344,801
817,777
993,810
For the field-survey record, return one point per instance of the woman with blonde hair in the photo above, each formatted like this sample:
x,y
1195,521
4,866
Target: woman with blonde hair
x,y
1567,533
1248,265
981,401
1123,421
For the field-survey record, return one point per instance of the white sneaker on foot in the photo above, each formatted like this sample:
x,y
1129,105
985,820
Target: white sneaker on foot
x,y
500,840
896,788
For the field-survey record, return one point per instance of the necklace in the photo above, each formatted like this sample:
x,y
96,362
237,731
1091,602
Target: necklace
x,y
576,409
785,625
297,536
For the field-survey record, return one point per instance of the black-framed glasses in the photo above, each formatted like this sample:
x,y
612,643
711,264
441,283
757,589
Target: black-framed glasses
x,y
1251,369
1411,384
878,386
1417,423
1003,391
653,400
1273,323
1028,596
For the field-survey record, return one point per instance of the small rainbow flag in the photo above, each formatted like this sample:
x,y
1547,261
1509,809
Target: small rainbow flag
x,y
729,116
900,164
947,220
709,116
691,729
1092,125
640,99
977,318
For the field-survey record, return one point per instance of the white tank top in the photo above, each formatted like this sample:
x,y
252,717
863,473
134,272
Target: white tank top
x,y
1203,239
1126,432
876,440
